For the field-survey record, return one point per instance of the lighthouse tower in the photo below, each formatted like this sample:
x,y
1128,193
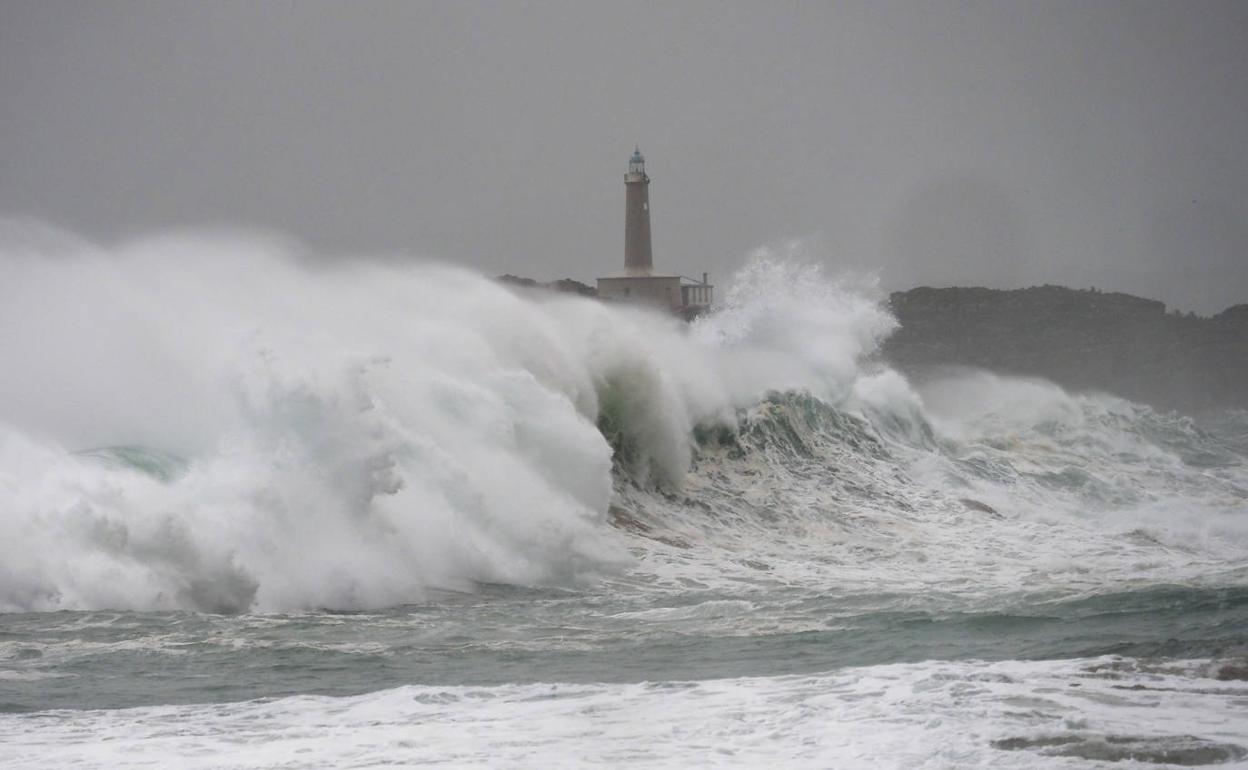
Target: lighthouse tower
x,y
639,283
637,258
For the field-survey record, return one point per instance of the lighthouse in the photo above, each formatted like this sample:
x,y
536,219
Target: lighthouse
x,y
639,283
637,257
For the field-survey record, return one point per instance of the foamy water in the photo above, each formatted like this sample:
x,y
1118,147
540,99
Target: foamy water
x,y
953,714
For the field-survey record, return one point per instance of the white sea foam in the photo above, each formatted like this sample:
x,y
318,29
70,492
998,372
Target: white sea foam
x,y
972,520
1058,714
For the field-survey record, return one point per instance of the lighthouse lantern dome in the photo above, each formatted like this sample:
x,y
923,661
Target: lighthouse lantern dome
x,y
636,164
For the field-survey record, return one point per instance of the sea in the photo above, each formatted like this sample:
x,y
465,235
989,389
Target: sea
x,y
260,508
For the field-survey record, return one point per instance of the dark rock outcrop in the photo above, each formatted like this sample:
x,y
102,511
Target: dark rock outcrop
x,y
1080,339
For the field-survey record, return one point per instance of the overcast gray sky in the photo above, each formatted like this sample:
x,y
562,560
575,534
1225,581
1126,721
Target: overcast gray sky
x,y
1001,144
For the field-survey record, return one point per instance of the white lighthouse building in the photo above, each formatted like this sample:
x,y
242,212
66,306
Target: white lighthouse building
x,y
638,282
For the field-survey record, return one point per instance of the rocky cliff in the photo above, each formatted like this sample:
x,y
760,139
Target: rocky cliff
x,y
1080,339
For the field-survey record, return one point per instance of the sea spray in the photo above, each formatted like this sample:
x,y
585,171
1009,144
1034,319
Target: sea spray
x,y
225,424
355,433
352,435
784,325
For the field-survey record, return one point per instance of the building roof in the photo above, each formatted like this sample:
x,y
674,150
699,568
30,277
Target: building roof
x,y
635,277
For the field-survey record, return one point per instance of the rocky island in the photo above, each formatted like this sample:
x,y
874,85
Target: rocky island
x,y
1080,339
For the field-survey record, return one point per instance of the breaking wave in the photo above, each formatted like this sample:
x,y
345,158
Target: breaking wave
x,y
226,424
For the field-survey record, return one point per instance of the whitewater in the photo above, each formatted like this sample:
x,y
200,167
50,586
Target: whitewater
x,y
264,508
